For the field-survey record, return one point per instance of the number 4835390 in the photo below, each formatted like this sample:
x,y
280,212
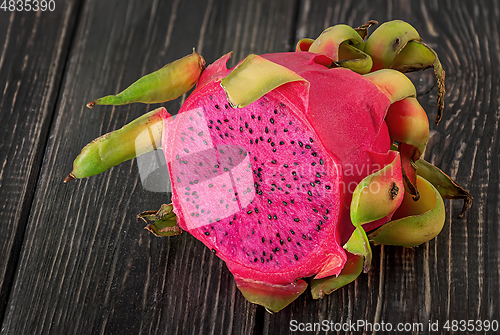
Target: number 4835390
x,y
28,5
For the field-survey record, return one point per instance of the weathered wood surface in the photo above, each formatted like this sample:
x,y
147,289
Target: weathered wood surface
x,y
75,261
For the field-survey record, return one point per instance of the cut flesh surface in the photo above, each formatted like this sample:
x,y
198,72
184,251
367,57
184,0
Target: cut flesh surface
x,y
255,185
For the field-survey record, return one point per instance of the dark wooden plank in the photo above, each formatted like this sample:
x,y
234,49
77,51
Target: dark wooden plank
x,y
456,275
87,266
33,52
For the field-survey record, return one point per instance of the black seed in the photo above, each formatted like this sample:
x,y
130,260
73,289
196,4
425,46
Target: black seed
x,y
296,219
256,210
216,106
285,130
226,120
255,259
275,217
304,236
284,203
262,259
298,243
250,130
327,211
269,217
312,184
249,212
315,210
300,143
214,251
226,106
274,149
273,161
246,125
289,239
263,240
309,193
251,141
296,257
321,161
320,222
281,242
292,142
271,120
291,231
255,158
325,217
272,144
218,121
253,116
241,129
327,187
308,146
318,227
207,233
258,118
314,154
269,201
313,163
266,130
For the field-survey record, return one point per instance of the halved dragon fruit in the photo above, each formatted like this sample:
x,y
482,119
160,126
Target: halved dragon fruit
x,y
282,164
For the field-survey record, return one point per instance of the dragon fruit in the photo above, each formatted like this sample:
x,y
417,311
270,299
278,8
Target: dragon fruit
x,y
282,164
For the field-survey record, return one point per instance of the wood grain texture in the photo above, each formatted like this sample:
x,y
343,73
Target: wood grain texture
x,y
87,267
32,58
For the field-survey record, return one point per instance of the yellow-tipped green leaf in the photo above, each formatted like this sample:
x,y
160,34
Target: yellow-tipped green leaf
x,y
447,187
329,41
415,222
378,194
274,297
136,138
419,56
359,245
255,77
352,269
167,83
385,43
394,84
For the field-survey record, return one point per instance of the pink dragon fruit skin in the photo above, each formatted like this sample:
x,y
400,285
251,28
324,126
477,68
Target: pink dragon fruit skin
x,y
304,240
